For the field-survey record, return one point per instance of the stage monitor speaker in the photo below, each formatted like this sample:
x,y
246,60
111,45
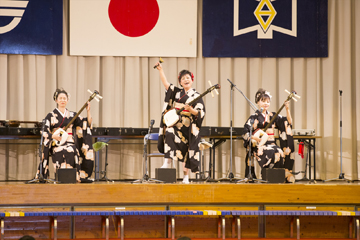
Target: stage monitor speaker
x,y
168,175
66,175
273,175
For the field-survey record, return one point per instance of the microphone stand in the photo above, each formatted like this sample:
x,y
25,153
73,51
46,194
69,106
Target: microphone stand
x,y
249,178
146,177
341,175
231,175
40,178
248,101
105,178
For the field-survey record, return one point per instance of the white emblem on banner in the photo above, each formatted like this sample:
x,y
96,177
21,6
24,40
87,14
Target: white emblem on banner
x,y
265,13
12,8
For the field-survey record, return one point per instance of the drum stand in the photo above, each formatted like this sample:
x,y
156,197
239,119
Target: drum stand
x,y
99,145
105,178
201,174
341,175
40,178
308,145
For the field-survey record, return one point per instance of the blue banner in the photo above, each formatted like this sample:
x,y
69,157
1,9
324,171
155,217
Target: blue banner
x,y
265,28
31,27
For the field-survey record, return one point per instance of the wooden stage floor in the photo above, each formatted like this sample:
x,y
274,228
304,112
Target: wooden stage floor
x,y
195,193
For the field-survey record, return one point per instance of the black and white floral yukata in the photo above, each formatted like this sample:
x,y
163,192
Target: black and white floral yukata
x,y
76,152
271,155
181,141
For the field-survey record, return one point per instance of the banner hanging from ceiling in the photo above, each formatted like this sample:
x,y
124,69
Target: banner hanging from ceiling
x,y
265,28
166,28
31,27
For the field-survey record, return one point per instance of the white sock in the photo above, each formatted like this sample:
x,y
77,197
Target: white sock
x,y
186,179
167,163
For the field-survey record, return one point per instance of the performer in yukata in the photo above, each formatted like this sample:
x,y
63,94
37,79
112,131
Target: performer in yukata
x,y
181,141
79,137
269,155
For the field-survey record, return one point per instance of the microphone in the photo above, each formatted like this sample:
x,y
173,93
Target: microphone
x,y
232,84
261,110
152,121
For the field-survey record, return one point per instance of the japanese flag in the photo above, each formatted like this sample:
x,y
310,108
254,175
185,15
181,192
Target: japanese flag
x,y
164,28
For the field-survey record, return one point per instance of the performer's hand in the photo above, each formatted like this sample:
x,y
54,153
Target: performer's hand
x,y
88,106
287,105
256,139
288,114
191,110
187,107
56,137
158,66
256,122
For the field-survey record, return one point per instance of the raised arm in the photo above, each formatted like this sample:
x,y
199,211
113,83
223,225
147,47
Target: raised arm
x,y
162,76
288,114
89,118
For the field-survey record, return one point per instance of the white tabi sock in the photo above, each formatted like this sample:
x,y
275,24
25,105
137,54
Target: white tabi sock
x,y
167,163
186,179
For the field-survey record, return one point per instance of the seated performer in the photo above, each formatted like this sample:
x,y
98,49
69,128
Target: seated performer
x,y
270,155
67,155
181,141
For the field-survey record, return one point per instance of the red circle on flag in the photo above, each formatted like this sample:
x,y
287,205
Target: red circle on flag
x,y
133,18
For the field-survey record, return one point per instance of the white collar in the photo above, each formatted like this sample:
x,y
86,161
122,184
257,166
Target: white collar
x,y
190,91
62,114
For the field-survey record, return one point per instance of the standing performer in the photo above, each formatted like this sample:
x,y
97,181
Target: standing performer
x,y
270,155
181,141
67,155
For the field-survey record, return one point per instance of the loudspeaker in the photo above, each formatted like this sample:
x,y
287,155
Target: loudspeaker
x,y
273,175
168,175
66,175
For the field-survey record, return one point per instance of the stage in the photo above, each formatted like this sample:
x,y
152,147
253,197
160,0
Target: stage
x,y
196,196
215,196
